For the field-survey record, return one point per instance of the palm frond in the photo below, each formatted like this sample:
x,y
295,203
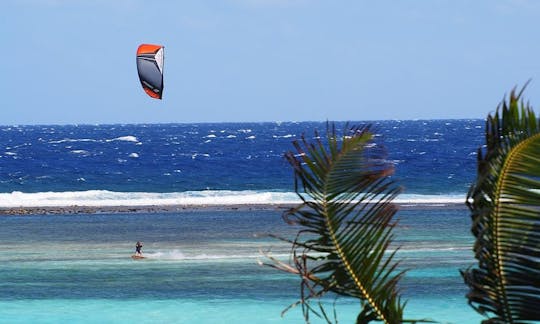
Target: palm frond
x,y
347,217
505,209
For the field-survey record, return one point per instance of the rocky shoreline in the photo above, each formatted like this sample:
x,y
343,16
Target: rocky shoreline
x,y
55,210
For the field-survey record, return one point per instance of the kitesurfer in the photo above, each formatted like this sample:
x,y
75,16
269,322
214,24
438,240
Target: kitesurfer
x,y
138,248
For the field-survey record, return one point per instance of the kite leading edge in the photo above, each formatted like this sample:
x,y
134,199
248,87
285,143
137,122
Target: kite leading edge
x,y
150,67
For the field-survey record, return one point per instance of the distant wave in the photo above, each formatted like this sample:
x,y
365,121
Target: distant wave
x,y
128,138
73,140
97,198
443,249
112,198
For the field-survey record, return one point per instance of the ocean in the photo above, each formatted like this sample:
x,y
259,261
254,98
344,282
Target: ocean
x,y
202,263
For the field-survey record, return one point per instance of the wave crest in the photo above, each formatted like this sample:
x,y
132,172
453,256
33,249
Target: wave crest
x,y
97,198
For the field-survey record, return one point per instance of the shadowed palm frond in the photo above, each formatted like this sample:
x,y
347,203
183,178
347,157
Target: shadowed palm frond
x,y
505,209
346,222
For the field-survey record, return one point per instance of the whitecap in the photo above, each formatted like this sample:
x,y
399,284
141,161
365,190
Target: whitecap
x,y
251,137
195,155
22,145
128,138
133,155
73,140
80,152
283,136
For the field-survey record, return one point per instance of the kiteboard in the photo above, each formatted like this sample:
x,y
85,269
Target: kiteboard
x,y
137,257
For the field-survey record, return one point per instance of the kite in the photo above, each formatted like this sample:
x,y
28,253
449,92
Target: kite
x,y
150,68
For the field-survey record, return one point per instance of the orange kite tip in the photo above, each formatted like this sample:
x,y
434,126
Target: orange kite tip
x,y
150,67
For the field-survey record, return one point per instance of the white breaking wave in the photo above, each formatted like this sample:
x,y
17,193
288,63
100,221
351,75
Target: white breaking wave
x,y
283,136
73,140
97,198
128,138
434,249
81,152
414,199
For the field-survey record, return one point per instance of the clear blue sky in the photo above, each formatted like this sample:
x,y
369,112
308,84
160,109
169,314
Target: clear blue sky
x,y
73,61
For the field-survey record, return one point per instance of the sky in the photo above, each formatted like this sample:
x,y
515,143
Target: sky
x,y
73,61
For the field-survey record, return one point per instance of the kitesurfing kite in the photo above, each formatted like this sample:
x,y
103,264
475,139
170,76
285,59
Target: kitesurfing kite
x,y
150,68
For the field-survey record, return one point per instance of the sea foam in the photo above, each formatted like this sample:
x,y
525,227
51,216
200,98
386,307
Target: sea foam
x,y
181,256
97,198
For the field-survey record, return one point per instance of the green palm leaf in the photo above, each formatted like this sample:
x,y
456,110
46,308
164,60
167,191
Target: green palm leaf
x,y
505,209
346,222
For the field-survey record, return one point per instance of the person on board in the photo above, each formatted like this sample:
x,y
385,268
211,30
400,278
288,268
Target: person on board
x,y
138,248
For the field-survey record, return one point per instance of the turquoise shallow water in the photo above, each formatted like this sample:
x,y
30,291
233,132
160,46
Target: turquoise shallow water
x,y
201,268
186,311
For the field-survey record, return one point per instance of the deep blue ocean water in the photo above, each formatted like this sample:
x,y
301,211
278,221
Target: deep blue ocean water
x,y
431,157
202,265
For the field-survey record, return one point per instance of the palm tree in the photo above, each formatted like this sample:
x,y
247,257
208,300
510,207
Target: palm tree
x,y
346,221
505,209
